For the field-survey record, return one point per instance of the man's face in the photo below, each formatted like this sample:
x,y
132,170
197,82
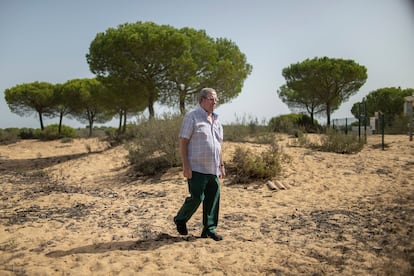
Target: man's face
x,y
209,102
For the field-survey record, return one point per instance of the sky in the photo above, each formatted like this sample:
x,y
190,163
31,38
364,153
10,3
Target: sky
x,y
47,40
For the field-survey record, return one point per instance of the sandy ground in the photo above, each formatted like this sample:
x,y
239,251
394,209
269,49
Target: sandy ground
x,y
76,209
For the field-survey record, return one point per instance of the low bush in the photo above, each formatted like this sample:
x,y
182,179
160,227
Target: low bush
x,y
339,142
117,137
334,141
51,132
293,123
27,133
9,136
154,147
400,125
244,129
249,166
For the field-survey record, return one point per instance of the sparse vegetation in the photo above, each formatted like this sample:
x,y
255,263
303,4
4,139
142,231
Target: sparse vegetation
x,y
340,143
9,136
154,147
293,123
29,133
249,166
245,128
51,132
333,141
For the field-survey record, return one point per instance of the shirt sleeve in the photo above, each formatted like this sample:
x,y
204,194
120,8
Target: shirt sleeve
x,y
187,127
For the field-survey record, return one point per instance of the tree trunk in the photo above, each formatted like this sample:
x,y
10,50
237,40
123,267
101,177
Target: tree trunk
x,y
120,121
90,127
151,107
42,127
182,102
328,115
182,107
60,123
91,117
125,122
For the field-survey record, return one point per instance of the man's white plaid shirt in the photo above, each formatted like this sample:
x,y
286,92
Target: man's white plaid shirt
x,y
205,141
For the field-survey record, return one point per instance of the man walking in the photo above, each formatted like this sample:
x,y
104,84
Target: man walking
x,y
200,138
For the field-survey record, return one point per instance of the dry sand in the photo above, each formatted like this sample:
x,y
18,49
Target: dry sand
x,y
77,209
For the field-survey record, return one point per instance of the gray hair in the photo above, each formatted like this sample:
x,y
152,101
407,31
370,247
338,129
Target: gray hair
x,y
204,92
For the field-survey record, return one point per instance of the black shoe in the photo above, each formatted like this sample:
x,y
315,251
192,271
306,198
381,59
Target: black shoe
x,y
214,236
181,227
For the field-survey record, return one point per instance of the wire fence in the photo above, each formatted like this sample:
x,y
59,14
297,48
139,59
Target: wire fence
x,y
343,123
361,128
353,125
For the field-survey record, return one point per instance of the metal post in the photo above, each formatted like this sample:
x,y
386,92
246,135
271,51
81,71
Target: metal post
x,y
365,121
382,130
410,129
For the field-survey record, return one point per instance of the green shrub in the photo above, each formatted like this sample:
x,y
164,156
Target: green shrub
x,y
9,136
301,141
293,123
51,132
27,133
114,137
335,141
399,125
243,129
152,166
111,133
253,166
340,142
235,132
154,147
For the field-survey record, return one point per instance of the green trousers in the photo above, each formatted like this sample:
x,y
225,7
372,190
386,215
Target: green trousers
x,y
203,188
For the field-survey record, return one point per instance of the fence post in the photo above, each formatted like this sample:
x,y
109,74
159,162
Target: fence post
x,y
365,121
382,129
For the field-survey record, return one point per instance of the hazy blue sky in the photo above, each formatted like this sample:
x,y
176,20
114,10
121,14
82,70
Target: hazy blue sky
x,y
46,40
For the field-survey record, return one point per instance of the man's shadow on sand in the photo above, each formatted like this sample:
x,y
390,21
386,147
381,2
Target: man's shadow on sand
x,y
141,245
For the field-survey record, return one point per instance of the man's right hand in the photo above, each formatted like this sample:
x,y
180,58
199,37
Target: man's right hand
x,y
187,172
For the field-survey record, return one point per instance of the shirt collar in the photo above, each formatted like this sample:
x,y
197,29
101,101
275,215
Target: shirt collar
x,y
201,110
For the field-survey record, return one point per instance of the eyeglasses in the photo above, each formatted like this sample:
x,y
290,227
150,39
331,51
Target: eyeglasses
x,y
212,99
